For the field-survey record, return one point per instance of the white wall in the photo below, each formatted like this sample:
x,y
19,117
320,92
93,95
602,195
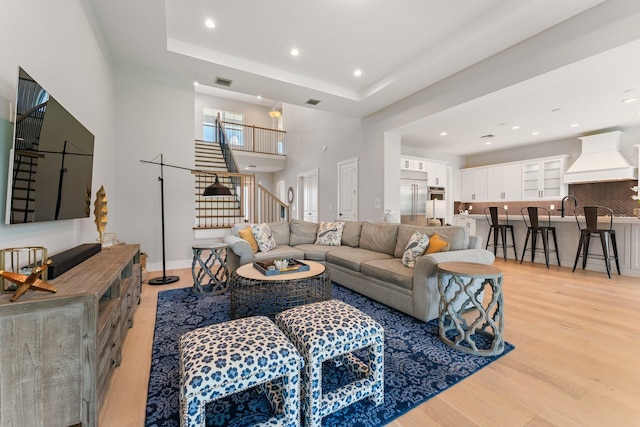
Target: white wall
x,y
154,116
308,131
56,44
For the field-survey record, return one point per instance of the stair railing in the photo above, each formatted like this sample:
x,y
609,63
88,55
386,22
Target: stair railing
x,y
269,207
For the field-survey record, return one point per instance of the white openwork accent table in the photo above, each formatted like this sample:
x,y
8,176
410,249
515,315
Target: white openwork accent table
x,y
469,320
211,275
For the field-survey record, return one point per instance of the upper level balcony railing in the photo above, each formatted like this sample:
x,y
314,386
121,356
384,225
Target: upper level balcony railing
x,y
255,139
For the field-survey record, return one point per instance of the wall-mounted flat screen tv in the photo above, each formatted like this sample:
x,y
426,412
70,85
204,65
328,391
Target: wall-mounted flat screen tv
x,y
51,162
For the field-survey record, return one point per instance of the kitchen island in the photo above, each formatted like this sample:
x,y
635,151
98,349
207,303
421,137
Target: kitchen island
x,y
627,230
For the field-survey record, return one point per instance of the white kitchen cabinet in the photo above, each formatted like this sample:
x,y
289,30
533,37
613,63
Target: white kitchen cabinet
x,y
474,185
437,174
413,164
542,179
469,223
504,182
406,164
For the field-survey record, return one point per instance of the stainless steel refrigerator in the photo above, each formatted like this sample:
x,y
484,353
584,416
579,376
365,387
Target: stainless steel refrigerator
x,y
413,198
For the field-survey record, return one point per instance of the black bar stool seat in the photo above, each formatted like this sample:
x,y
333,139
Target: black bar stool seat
x,y
587,220
535,225
499,228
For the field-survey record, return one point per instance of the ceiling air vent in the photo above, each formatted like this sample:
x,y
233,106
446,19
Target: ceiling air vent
x,y
223,82
313,101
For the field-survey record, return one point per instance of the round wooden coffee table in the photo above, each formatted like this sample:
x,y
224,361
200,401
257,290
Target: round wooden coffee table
x,y
252,293
465,321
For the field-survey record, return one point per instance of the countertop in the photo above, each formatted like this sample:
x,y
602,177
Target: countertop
x,y
558,218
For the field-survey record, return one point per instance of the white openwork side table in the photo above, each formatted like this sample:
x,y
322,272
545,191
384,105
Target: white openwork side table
x,y
211,276
469,320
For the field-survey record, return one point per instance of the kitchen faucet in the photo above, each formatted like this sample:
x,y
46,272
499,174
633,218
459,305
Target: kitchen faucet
x,y
575,203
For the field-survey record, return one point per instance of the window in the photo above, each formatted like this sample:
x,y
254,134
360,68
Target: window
x,y
233,125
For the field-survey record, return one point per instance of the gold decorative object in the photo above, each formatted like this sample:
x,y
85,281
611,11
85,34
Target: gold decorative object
x,y
33,280
20,260
100,211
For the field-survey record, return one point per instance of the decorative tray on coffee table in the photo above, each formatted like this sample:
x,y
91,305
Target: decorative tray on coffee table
x,y
268,268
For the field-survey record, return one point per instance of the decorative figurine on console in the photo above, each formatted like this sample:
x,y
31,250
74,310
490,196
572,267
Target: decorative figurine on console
x,y
25,282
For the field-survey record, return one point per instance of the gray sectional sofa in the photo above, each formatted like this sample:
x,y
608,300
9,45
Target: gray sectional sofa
x,y
369,260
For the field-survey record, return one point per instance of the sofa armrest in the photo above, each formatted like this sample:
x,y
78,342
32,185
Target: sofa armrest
x,y
239,252
425,292
475,242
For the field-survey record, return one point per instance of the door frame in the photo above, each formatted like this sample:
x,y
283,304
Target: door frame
x,y
353,160
300,192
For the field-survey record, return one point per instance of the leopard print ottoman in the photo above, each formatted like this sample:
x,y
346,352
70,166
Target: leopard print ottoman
x,y
225,358
333,330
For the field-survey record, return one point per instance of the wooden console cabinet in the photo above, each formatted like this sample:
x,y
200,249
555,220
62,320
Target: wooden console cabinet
x,y
57,351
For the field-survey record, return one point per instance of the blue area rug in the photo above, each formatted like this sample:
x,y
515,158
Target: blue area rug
x,y
418,365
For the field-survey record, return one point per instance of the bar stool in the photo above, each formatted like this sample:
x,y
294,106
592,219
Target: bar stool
x,y
587,220
531,216
495,228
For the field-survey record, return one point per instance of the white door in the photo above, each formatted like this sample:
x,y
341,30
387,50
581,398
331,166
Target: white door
x,y
308,200
348,190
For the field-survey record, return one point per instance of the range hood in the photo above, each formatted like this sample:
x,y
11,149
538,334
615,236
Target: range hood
x,y
600,161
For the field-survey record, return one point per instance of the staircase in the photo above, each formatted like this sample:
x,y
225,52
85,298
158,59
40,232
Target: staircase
x,y
221,211
249,202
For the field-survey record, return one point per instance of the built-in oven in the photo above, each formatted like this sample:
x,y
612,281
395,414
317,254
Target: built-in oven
x,y
436,193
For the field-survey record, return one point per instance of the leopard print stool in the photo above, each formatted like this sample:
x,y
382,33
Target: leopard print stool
x,y
332,330
222,359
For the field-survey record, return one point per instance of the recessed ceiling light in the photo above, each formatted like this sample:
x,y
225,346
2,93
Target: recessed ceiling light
x,y
295,52
629,100
259,97
574,125
357,73
209,23
516,127
535,133
196,83
443,134
487,143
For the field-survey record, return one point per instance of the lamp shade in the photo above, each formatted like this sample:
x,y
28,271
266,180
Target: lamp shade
x,y
216,189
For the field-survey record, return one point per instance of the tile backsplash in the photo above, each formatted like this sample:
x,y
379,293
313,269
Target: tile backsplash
x,y
615,195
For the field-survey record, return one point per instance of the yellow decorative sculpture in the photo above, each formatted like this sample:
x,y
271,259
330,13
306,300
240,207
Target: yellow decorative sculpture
x,y
100,211
25,282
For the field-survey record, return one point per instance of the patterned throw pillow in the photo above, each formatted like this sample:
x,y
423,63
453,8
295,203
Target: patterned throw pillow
x,y
247,235
416,246
330,233
263,236
437,244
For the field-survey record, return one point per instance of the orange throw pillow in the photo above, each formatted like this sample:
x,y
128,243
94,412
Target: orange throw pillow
x,y
437,244
247,235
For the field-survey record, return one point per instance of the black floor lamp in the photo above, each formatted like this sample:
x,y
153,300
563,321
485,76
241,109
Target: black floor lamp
x,y
215,189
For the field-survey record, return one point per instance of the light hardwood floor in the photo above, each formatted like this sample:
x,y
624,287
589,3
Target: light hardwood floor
x,y
576,362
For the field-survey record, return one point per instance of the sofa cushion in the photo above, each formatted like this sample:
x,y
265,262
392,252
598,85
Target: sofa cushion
x,y
458,237
315,252
389,270
280,232
263,236
351,234
351,258
246,234
418,243
302,232
379,237
280,252
330,233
